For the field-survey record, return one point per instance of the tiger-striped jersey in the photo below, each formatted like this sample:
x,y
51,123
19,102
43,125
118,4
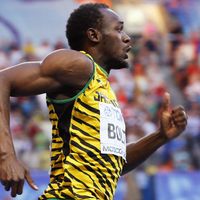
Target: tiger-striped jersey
x,y
80,166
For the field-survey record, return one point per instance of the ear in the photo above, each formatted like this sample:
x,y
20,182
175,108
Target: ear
x,y
93,35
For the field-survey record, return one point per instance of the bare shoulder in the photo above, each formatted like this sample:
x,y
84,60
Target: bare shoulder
x,y
67,63
66,58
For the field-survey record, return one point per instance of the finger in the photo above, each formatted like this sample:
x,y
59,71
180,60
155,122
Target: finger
x,y
30,181
7,186
20,187
179,115
180,121
178,109
166,102
14,189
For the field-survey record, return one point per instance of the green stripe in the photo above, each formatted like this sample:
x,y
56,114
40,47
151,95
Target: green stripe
x,y
103,70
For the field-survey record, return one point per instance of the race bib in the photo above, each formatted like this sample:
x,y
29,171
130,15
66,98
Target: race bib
x,y
112,130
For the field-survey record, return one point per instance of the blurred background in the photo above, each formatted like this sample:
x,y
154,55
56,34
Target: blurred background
x,y
165,57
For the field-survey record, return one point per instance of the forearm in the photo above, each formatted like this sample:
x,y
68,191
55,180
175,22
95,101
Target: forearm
x,y
6,144
140,151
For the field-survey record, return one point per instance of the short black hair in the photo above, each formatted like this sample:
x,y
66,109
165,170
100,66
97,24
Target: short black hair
x,y
86,16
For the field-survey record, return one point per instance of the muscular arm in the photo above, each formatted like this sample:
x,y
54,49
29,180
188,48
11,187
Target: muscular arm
x,y
140,151
22,79
172,124
60,69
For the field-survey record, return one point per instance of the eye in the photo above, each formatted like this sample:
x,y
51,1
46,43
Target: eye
x,y
119,29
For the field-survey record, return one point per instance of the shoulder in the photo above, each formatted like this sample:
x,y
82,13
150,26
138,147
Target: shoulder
x,y
66,57
67,63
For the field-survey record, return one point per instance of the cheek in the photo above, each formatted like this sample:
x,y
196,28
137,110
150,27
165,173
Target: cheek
x,y
112,45
115,45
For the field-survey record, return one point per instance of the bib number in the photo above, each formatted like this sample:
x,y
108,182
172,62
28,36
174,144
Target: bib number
x,y
112,130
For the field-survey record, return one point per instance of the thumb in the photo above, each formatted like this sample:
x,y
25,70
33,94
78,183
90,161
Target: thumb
x,y
165,121
166,102
30,181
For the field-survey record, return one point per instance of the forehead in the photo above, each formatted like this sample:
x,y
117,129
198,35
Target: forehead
x,y
110,17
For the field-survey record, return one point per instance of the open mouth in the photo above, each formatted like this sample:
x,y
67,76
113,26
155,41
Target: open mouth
x,y
128,48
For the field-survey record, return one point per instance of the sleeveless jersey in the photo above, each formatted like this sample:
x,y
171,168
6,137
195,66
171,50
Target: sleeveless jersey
x,y
88,142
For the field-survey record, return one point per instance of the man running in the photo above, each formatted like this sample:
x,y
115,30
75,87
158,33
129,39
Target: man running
x,y
88,148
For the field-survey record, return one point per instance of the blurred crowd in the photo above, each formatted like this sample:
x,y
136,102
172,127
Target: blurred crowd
x,y
158,63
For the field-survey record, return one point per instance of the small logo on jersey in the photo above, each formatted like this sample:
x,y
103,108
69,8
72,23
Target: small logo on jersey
x,y
107,111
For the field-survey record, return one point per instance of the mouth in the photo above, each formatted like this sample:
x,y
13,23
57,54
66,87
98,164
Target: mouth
x,y
127,49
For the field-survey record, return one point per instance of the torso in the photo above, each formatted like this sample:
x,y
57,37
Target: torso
x,y
88,143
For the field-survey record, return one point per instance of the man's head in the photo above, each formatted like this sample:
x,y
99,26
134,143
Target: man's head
x,y
81,19
96,28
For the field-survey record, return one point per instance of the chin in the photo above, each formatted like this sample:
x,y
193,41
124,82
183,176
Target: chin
x,y
118,64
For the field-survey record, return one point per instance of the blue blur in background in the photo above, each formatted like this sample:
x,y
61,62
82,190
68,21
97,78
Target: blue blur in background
x,y
162,186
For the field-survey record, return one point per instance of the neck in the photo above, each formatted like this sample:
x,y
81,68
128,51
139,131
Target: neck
x,y
98,58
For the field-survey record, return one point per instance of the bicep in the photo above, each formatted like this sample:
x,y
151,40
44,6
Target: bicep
x,y
61,69
27,79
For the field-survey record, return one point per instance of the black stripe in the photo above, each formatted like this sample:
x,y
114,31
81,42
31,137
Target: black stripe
x,y
55,157
56,142
55,135
105,157
54,127
83,196
68,162
93,156
78,180
57,176
118,160
86,143
52,192
51,111
42,197
108,159
103,175
83,132
66,180
56,149
58,162
83,122
88,107
53,119
55,168
100,177
67,197
84,113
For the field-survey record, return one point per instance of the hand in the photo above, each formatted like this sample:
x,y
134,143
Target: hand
x,y
13,174
173,122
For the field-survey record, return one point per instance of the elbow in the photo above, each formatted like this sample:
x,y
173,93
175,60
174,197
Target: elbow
x,y
127,168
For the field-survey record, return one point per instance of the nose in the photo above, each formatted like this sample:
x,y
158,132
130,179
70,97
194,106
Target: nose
x,y
126,38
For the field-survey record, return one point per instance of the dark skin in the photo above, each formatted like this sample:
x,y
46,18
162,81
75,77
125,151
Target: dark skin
x,y
66,70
